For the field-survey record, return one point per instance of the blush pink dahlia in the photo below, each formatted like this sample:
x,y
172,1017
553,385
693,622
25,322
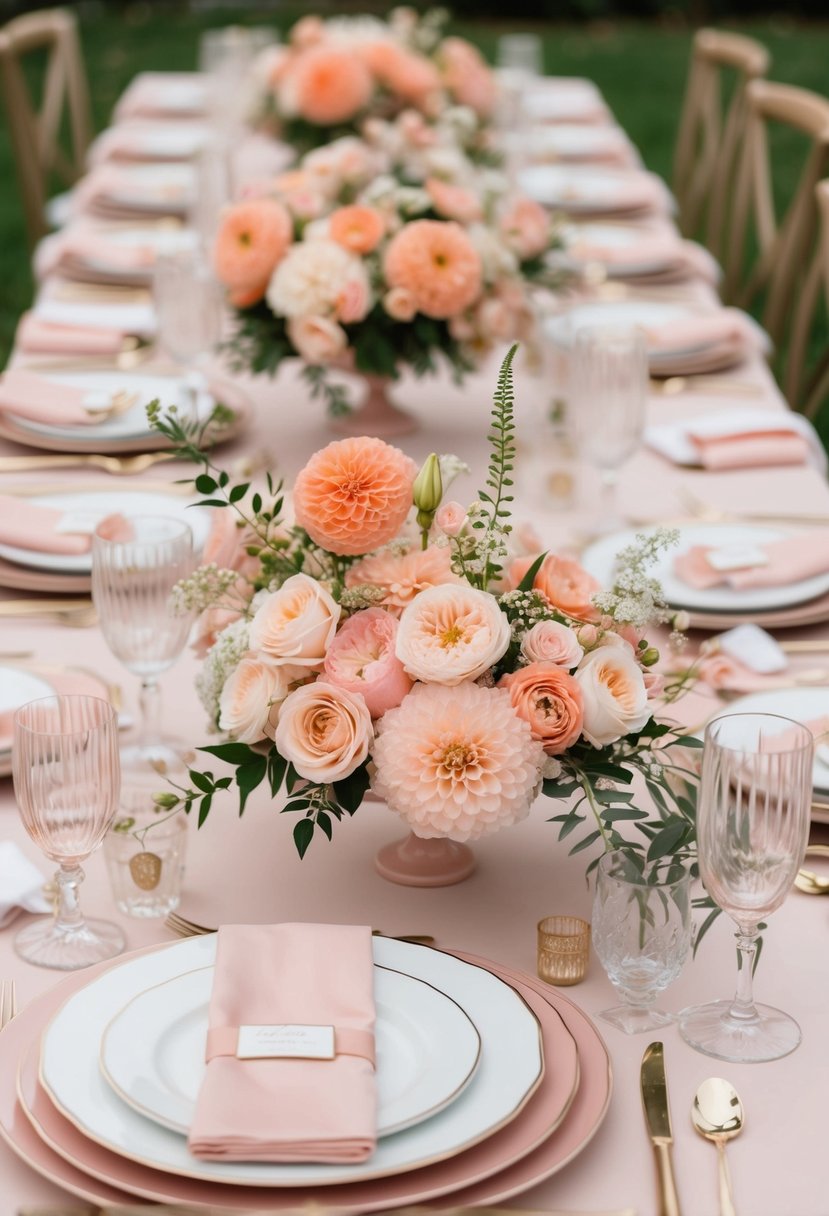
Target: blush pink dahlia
x,y
456,762
401,576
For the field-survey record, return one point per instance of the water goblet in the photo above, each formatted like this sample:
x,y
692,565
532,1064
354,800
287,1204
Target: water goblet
x,y
641,934
66,781
132,582
606,409
752,830
188,305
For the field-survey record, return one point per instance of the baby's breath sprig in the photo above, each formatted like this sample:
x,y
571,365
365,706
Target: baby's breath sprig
x,y
636,597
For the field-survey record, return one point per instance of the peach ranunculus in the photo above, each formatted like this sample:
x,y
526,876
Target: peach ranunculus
x,y
316,278
358,229
615,697
525,226
400,304
246,703
253,238
566,585
552,642
324,731
296,624
402,576
436,261
354,495
452,633
361,658
456,762
451,518
411,76
468,77
329,86
317,339
453,202
550,701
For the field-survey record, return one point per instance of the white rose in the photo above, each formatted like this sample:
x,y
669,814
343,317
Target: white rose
x,y
615,696
249,696
552,642
296,624
451,633
317,339
324,731
312,277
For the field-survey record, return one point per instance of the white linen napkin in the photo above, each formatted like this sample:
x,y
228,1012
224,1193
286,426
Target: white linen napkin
x,y
21,884
754,648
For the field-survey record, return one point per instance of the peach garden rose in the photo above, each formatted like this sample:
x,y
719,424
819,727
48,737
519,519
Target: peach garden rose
x,y
451,633
296,624
550,701
566,585
614,692
249,696
324,731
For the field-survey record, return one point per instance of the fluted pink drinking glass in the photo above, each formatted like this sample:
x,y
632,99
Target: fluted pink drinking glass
x,y
67,780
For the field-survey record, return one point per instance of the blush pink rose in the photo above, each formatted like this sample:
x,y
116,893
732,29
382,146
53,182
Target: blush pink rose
x,y
362,659
552,642
566,585
317,339
353,302
550,701
324,731
451,518
296,624
525,226
453,202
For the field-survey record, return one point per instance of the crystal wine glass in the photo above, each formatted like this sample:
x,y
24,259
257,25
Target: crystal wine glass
x,y
752,830
188,305
66,781
606,413
132,582
641,934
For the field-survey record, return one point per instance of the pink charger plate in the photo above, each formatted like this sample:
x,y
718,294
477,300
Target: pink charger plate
x,y
512,1160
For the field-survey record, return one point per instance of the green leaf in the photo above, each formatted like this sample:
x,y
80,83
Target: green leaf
x,y
248,776
277,768
586,843
324,822
201,781
204,808
238,492
232,753
205,484
667,838
704,927
303,835
528,581
350,791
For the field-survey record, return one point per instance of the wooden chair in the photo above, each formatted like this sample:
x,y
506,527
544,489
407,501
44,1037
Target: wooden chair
x,y
710,129
783,247
808,390
36,133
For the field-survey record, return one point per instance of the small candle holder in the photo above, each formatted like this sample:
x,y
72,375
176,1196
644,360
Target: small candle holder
x,y
563,950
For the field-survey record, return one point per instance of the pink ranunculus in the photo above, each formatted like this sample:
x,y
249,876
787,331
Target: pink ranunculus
x,y
552,642
550,701
525,226
400,304
324,731
453,202
362,659
317,339
566,585
452,633
353,302
496,323
296,624
451,518
615,697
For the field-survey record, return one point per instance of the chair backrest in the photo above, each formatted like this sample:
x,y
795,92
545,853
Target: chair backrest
x,y
710,128
808,390
36,132
782,246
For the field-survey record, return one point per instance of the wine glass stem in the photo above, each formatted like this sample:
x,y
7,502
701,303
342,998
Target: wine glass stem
x,y
610,480
68,916
743,1005
150,702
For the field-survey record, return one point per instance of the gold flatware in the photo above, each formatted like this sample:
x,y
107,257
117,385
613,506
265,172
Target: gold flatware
x,y
808,881
100,293
672,386
806,646
8,1002
709,514
658,1121
183,927
119,403
120,465
717,1114
8,655
78,613
134,351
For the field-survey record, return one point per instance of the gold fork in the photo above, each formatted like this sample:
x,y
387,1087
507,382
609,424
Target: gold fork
x,y
8,1002
183,927
120,465
78,613
119,402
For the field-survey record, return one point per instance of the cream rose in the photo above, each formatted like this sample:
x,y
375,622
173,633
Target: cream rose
x,y
324,731
615,697
552,642
296,624
451,633
317,339
248,698
400,304
451,518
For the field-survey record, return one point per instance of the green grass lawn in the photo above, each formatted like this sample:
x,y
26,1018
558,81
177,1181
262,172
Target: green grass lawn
x,y
639,67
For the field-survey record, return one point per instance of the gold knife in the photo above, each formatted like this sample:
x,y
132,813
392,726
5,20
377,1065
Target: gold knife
x,y
658,1121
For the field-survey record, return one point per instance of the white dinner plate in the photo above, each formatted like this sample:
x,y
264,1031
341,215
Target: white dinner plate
x,y
427,1047
16,688
614,236
599,559
159,239
93,505
132,424
157,140
575,141
799,704
584,189
562,100
649,314
151,188
510,1069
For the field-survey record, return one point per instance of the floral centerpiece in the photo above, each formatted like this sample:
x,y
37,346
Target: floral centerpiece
x,y
385,640
345,263
332,75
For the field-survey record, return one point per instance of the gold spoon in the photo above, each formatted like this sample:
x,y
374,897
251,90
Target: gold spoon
x,y
808,881
119,465
717,1114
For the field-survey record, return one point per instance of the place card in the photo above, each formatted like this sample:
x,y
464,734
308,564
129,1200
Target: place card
x,y
737,557
285,1042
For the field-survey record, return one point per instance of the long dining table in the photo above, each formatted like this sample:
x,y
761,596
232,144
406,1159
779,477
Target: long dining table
x,y
246,870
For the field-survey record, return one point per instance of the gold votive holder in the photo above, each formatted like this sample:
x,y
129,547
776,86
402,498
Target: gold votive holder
x,y
563,950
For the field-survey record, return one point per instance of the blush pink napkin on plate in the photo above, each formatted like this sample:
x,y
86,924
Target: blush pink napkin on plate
x,y
30,396
751,449
290,1109
27,525
704,329
789,561
38,337
85,242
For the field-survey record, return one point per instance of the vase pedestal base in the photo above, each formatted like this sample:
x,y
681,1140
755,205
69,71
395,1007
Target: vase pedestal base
x,y
377,415
414,862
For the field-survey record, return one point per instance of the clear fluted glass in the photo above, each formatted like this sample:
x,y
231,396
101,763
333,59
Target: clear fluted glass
x,y
132,582
752,830
641,934
188,299
66,780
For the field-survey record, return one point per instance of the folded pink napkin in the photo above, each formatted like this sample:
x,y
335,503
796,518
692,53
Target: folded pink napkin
x,y
646,249
38,337
787,561
26,525
34,397
703,329
84,242
751,449
289,1109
